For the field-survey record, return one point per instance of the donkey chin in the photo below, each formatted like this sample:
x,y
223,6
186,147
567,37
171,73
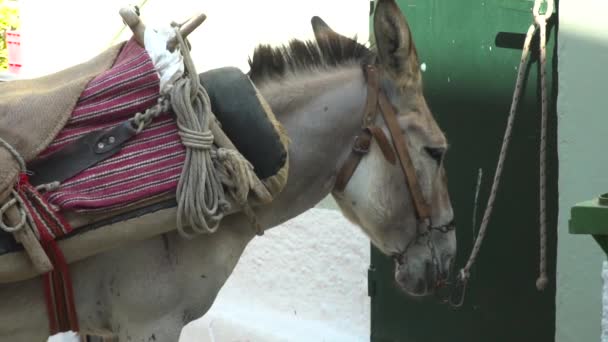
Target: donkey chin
x,y
418,273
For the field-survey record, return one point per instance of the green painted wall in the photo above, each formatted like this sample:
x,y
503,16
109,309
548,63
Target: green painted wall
x,y
470,49
583,158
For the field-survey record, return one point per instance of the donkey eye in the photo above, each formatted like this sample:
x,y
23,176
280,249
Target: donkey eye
x,y
436,153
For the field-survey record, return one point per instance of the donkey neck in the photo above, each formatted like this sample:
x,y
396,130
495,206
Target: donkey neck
x,y
321,111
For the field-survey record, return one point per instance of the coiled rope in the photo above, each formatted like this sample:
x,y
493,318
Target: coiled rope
x,y
200,192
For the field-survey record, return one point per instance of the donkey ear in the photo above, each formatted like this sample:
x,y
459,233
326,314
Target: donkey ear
x,y
396,50
324,33
321,29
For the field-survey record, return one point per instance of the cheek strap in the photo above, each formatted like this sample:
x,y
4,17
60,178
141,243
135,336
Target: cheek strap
x,y
377,99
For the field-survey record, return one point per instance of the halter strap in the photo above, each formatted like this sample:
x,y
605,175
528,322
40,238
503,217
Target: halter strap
x,y
376,98
405,159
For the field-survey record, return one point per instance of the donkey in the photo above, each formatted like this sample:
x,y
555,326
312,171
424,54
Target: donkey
x,y
148,290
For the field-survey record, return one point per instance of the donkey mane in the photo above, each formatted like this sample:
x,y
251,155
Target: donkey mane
x,y
270,63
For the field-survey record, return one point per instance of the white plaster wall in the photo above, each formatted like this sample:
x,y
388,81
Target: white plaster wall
x,y
605,302
303,281
583,171
60,33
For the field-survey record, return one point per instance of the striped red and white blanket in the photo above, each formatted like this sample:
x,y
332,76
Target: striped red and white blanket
x,y
148,165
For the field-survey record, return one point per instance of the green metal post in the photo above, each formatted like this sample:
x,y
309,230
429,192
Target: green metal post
x,y
591,217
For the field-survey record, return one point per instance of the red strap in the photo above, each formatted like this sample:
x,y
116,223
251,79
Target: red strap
x,y
50,303
62,290
58,289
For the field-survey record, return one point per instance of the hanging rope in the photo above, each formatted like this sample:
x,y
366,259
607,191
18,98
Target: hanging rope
x,y
540,21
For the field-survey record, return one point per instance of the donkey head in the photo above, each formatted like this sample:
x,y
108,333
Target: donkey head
x,y
377,197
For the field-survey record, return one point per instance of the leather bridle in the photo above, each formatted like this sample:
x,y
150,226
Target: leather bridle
x,y
377,99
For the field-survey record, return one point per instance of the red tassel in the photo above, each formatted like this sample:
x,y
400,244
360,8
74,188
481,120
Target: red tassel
x,y
24,178
50,303
58,288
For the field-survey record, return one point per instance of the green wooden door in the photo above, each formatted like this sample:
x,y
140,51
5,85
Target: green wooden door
x,y
471,50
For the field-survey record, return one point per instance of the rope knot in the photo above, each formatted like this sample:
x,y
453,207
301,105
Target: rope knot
x,y
238,170
542,282
195,139
48,187
226,154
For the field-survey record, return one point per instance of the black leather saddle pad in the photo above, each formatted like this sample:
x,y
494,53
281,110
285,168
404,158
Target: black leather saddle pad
x,y
235,102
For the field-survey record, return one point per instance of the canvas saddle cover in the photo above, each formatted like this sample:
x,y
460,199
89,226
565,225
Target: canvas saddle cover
x,y
150,163
33,111
147,168
138,182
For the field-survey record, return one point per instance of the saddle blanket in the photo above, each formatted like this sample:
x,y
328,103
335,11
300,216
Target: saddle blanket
x,y
148,165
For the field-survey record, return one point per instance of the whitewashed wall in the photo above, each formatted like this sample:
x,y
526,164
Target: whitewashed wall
x,y
582,123
305,280
302,282
57,34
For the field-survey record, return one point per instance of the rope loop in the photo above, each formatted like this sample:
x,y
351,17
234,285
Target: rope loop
x,y
14,200
548,10
201,200
18,202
